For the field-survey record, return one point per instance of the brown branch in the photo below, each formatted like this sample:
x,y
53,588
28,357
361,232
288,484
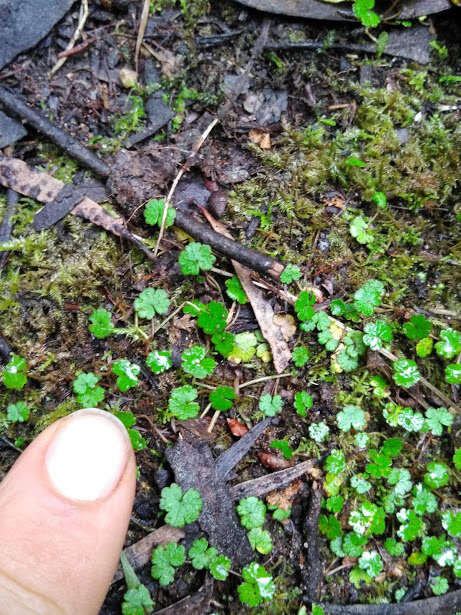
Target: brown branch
x,y
16,106
448,604
312,571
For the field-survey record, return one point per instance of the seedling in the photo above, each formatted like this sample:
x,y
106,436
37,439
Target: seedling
x,y
181,508
152,301
319,431
303,305
376,334
221,398
417,328
359,228
137,599
302,402
368,297
284,447
371,562
18,412
437,475
235,290
14,374
449,345
196,257
88,393
128,419
159,361
127,373
257,586
270,405
351,417
252,512
380,199
153,213
363,11
220,567
439,586
201,554
195,362
453,373
406,373
411,526
290,273
260,540
182,403
164,561
101,324
300,356
436,419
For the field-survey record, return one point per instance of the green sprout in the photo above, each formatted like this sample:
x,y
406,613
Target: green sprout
x,y
18,412
88,394
196,257
150,302
127,373
180,508
14,374
101,324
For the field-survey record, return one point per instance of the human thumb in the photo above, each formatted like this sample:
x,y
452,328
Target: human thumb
x,y
64,511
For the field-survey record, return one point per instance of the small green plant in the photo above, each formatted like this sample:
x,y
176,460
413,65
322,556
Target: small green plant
x,y
439,586
132,119
417,328
127,373
153,213
164,561
101,324
235,291
437,475
150,302
195,362
14,374
302,402
137,599
371,562
18,412
290,273
406,372
363,10
436,419
182,403
359,229
449,345
88,393
258,586
270,405
220,567
283,447
300,356
319,431
159,361
376,334
351,417
201,554
303,305
221,398
181,508
252,512
380,199
196,257
260,540
453,373
368,297
128,419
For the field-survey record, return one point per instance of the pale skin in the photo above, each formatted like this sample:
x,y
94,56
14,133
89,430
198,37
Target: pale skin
x,y
58,555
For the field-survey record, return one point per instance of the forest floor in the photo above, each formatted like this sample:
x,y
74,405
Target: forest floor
x,y
340,163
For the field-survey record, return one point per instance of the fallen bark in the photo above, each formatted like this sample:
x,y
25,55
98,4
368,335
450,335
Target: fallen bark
x,y
230,458
139,553
312,571
6,227
270,482
16,106
18,176
194,604
448,604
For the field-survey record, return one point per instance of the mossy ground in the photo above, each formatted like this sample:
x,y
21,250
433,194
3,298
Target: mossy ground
x,y
405,128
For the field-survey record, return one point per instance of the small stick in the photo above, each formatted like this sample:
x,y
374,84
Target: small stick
x,y
141,32
263,379
213,421
205,412
180,173
81,24
77,48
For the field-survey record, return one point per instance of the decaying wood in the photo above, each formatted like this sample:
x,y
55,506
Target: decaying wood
x,y
18,176
194,468
230,458
272,332
312,570
271,482
448,604
6,227
195,604
16,106
139,553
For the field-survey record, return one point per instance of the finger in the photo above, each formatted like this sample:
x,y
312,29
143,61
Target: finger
x,y
64,511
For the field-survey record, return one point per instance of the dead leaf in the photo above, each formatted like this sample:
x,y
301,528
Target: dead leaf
x,y
262,309
287,325
274,462
284,498
237,428
261,138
